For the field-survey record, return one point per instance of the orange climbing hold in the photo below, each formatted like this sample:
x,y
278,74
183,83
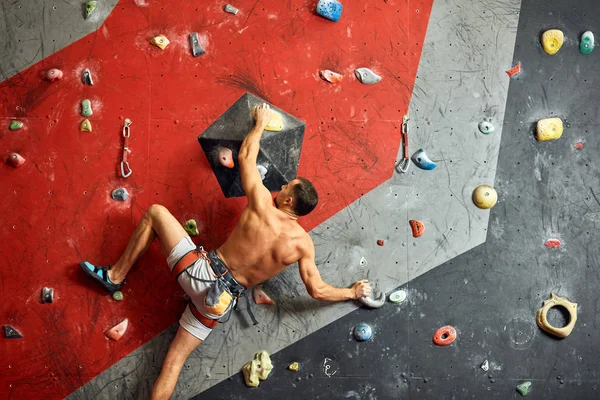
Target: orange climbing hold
x,y
226,157
117,332
514,70
417,227
260,297
444,336
330,76
579,145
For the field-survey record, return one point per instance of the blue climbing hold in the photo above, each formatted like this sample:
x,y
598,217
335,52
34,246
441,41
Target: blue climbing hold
x,y
330,9
422,161
362,332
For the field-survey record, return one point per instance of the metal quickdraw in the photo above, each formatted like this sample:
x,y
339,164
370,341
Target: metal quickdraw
x,y
404,163
125,170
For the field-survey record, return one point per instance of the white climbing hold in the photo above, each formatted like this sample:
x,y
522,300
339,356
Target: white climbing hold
x,y
398,296
366,76
485,366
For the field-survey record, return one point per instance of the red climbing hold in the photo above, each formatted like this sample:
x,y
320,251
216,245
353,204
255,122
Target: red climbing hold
x,y
260,297
514,70
417,227
117,332
579,145
380,242
444,336
553,243
16,160
226,157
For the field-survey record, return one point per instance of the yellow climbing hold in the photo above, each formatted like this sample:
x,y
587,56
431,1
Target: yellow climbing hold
x,y
276,123
160,41
485,196
552,41
86,126
257,369
549,129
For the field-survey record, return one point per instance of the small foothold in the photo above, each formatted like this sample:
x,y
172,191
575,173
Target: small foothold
x,y
417,227
86,126
160,41
86,77
485,196
118,295
294,367
276,122
257,369
523,388
330,9
54,74
363,262
16,160
90,6
230,9
120,194
552,41
11,333
485,366
380,242
579,145
117,332
553,243
362,332
486,127
225,157
197,49
262,170
47,295
191,227
366,76
260,297
587,43
86,108
373,302
398,296
15,125
549,129
514,70
444,336
330,76
422,161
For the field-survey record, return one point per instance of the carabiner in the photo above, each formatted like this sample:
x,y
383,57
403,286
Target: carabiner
x,y
404,163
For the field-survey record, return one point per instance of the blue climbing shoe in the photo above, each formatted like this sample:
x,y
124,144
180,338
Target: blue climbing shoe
x,y
100,275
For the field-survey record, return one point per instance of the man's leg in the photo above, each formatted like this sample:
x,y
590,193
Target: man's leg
x,y
181,347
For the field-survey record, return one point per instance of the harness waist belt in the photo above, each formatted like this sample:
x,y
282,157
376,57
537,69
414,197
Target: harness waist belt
x,y
209,323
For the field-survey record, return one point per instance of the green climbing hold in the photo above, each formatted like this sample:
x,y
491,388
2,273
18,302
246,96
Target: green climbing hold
x,y
15,125
587,43
523,388
118,295
191,227
86,108
90,6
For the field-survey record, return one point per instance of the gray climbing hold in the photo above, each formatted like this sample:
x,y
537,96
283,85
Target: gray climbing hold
x,y
90,6
230,9
86,108
86,77
11,333
372,302
422,161
486,127
366,76
197,49
120,194
47,295
398,296
362,332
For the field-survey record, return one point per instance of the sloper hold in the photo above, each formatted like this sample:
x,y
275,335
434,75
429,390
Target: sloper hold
x,y
330,9
276,122
485,196
552,41
422,161
15,125
587,43
86,77
160,41
86,108
260,297
549,129
120,194
197,49
16,160
362,332
230,9
54,74
90,6
514,70
257,369
86,126
11,333
116,333
486,127
47,295
191,227
372,302
366,76
417,227
330,76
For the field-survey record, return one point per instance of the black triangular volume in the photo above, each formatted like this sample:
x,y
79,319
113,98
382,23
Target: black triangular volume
x,y
11,333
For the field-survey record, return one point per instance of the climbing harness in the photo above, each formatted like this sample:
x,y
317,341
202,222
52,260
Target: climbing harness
x,y
404,163
125,170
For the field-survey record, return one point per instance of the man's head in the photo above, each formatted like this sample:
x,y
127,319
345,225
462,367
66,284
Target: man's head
x,y
299,195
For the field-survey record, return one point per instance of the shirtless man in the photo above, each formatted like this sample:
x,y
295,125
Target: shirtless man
x,y
266,240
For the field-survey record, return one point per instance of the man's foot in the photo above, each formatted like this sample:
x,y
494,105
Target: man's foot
x,y
100,275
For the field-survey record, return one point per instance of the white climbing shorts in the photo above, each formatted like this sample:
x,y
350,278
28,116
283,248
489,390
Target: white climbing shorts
x,y
195,281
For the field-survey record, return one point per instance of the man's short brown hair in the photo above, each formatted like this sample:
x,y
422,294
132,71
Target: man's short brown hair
x,y
305,197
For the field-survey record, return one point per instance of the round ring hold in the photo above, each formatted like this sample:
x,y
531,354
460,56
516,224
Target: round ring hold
x,y
556,301
444,336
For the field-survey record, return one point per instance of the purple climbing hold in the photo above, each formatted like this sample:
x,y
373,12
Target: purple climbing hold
x,y
330,9
11,333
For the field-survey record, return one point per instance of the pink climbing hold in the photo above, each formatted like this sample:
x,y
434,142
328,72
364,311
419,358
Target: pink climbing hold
x,y
514,70
117,332
579,145
260,297
226,157
553,243
54,74
16,160
331,76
